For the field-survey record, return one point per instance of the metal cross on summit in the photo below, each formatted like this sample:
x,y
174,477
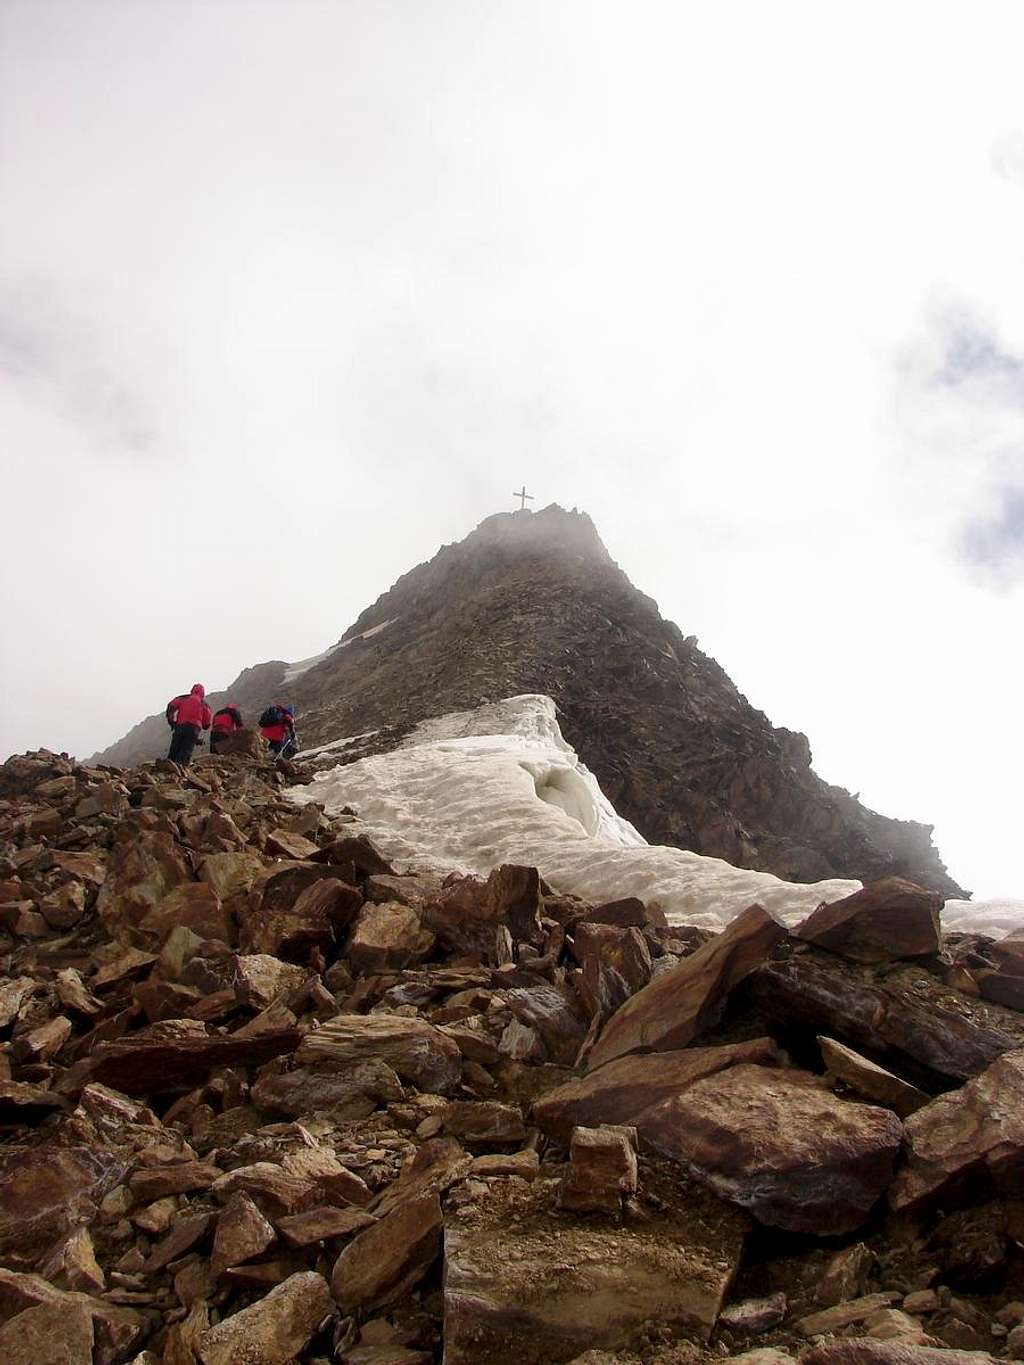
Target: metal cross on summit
x,y
523,497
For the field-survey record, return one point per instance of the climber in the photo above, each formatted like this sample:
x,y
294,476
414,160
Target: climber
x,y
187,715
277,726
225,722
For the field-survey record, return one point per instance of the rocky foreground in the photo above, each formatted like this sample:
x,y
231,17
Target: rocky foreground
x,y
262,1100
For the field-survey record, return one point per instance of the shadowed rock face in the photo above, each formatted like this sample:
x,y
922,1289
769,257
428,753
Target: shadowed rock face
x,y
532,602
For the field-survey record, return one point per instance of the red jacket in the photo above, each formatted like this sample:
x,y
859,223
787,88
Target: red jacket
x,y
191,709
227,719
275,733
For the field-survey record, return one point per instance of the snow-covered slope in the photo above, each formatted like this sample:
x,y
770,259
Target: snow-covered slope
x,y
500,784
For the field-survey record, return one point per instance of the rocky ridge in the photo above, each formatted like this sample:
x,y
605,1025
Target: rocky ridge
x,y
264,1101
533,602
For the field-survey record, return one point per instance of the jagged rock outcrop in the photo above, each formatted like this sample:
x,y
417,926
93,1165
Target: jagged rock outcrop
x,y
532,602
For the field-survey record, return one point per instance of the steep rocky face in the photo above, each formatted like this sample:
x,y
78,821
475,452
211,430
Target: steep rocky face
x,y
532,602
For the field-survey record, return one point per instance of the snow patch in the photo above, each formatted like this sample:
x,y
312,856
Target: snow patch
x,y
498,784
297,669
337,744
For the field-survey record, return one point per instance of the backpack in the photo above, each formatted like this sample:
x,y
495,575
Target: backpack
x,y
273,715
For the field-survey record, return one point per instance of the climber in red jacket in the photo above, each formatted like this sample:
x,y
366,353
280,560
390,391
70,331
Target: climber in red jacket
x,y
225,722
187,715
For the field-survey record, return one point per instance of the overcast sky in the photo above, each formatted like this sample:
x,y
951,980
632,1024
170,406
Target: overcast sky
x,y
291,293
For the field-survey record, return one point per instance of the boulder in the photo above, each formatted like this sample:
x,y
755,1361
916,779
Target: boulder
x,y
323,1224
387,937
554,1016
242,1233
525,1285
884,921
260,979
680,1004
116,1329
438,1164
298,909
869,1081
419,1053
241,744
615,963
846,1275
925,1037
387,1260
781,1145
149,1062
621,1090
468,912
844,1314
275,1329
286,843
349,1093
52,1333
44,1191
231,874
484,1121
140,873
966,1142
602,1170
195,906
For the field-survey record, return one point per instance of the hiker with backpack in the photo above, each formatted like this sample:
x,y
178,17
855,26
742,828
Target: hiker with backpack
x,y
277,726
225,722
187,716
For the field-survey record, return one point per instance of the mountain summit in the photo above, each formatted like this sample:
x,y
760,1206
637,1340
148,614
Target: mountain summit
x,y
531,602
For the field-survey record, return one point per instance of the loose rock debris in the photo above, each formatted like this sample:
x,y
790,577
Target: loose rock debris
x,y
264,1100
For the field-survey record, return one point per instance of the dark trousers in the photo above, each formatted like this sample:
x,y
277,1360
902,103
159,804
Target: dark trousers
x,y
217,738
183,741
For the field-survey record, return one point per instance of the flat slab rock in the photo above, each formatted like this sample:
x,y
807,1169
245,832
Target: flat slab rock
x,y
618,1092
923,1034
781,1145
273,1330
527,1285
418,1052
679,1004
870,1081
882,922
966,1141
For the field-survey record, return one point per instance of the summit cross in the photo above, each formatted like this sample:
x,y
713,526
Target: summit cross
x,y
522,495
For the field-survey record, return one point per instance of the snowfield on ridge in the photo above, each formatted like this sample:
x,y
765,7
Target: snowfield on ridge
x,y
500,784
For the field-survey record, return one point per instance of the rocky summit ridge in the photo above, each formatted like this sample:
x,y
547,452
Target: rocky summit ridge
x,y
533,602
265,1101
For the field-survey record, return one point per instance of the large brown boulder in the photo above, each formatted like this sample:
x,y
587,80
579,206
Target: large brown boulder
x,y
418,1052
966,1142
469,911
52,1333
140,873
887,920
46,1190
302,907
387,937
780,1144
275,1329
925,1038
680,1004
620,1091
388,1259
